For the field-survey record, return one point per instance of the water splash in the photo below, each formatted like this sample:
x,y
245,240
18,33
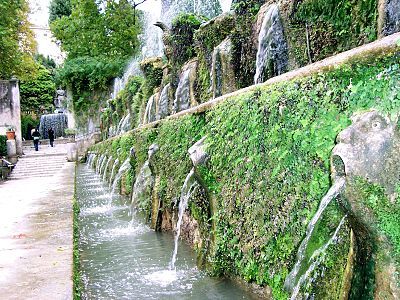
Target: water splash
x,y
207,8
124,167
188,188
163,103
89,160
337,187
150,112
151,41
103,165
316,259
272,53
99,162
123,125
126,124
58,122
222,74
92,161
106,168
225,5
142,188
182,95
114,168
162,278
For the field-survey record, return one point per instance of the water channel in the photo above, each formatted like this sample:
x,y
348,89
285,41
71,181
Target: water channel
x,y
124,259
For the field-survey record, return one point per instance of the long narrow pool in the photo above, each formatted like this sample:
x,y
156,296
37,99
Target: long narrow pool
x,y
121,259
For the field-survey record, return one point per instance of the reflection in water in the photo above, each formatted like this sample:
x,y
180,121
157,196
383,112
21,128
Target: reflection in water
x,y
121,259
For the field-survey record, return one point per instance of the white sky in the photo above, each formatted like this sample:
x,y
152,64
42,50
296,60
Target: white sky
x,y
39,12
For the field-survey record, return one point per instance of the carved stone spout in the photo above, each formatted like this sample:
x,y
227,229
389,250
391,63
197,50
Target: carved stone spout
x,y
369,148
153,149
368,153
198,153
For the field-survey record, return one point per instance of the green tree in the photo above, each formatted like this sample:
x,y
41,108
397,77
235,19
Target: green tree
x,y
58,9
89,32
16,40
47,62
37,92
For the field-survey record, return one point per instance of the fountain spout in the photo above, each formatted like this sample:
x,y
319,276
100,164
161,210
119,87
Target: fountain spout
x,y
143,186
368,153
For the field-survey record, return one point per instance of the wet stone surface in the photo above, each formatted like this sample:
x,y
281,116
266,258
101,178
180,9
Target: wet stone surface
x,y
36,236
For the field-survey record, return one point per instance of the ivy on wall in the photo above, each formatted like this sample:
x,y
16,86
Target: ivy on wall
x,y
3,145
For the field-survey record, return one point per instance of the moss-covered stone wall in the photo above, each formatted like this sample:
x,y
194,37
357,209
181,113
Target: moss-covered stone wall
x,y
269,168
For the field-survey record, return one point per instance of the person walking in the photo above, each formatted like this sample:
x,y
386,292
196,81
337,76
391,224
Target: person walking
x,y
36,137
50,132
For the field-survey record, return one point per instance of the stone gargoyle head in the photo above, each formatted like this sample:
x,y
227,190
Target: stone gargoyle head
x,y
369,149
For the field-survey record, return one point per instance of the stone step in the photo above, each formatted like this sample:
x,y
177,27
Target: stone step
x,y
40,164
56,142
28,175
37,172
27,169
45,166
34,160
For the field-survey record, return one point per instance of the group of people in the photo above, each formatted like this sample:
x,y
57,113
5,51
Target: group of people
x,y
36,138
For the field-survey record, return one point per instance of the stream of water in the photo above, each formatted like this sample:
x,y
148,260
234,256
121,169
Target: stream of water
x,y
121,259
293,278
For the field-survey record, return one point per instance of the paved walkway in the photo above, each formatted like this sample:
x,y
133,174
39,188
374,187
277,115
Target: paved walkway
x,y
36,234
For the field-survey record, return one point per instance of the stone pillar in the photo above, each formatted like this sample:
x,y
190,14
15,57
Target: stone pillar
x,y
10,110
12,151
16,113
72,153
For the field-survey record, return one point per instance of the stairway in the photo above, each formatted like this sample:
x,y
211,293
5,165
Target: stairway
x,y
43,163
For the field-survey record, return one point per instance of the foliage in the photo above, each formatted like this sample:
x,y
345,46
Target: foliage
x,y
181,38
98,43
88,73
3,145
386,212
16,40
47,62
37,93
269,168
243,50
206,39
333,26
70,131
58,9
247,7
89,32
27,124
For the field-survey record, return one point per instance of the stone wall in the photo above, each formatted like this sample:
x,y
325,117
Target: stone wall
x,y
269,167
10,110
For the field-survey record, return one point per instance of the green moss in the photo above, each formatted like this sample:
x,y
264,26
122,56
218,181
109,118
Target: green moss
x,y
243,50
207,37
181,38
269,168
332,27
387,214
3,145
